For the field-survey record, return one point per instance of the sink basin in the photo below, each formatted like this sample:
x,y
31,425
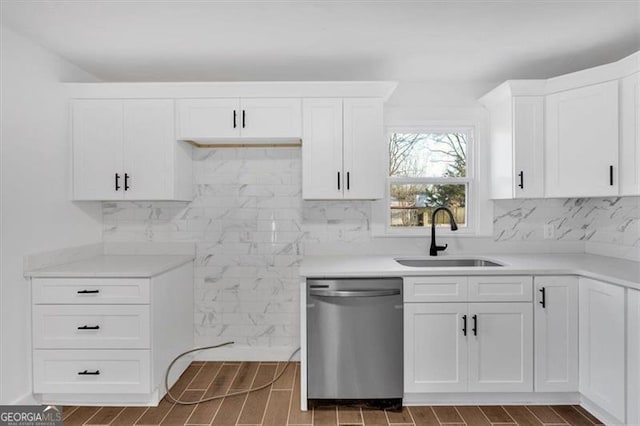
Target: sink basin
x,y
447,263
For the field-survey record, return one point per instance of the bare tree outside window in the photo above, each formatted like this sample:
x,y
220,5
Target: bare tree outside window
x,y
419,166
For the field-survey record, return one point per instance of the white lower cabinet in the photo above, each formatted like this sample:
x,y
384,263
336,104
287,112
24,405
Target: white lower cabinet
x,y
556,334
500,347
460,347
110,340
602,345
633,357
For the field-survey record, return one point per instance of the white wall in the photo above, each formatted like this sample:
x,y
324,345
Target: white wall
x,y
36,214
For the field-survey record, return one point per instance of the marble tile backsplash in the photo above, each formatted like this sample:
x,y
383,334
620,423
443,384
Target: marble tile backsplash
x,y
251,229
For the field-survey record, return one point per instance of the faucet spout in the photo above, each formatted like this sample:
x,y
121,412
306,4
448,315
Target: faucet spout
x,y
434,249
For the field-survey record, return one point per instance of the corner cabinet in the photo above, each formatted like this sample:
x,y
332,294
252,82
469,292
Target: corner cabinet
x,y
243,118
127,150
516,128
343,149
581,141
602,345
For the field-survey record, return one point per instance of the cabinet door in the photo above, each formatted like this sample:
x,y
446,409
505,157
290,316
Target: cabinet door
x,y
633,357
435,347
97,149
602,345
581,148
364,149
322,177
271,118
528,150
630,135
501,348
556,334
149,144
215,118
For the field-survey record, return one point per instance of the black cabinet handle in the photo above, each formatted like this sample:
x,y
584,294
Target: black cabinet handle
x,y
543,302
126,181
89,373
89,327
117,182
88,291
521,184
243,120
338,181
464,325
475,325
235,114
611,175
348,181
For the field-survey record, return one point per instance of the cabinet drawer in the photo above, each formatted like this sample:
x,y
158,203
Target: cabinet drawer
x,y
106,327
435,289
90,290
60,371
501,289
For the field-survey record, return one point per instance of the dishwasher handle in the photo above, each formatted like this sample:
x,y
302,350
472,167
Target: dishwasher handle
x,y
353,293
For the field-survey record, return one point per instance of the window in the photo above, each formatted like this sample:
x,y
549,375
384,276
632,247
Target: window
x,y
428,168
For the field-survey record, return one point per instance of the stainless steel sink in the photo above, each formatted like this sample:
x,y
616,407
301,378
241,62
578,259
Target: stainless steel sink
x,y
447,263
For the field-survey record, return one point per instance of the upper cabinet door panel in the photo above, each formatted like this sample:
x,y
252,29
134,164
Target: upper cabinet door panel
x,y
271,118
581,147
97,149
149,143
630,135
208,118
364,147
528,130
322,177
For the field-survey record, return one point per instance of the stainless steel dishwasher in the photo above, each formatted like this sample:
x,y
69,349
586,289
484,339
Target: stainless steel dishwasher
x,y
354,339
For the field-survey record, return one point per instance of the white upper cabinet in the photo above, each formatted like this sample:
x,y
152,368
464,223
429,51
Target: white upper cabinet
x,y
343,149
581,142
126,150
602,345
516,128
97,150
252,118
630,135
556,334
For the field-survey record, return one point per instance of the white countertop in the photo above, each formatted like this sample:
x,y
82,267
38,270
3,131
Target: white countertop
x,y
132,266
608,269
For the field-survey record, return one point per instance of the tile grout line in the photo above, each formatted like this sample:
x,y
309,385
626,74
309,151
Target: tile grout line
x,y
266,407
247,395
293,389
186,388
567,421
92,416
483,413
211,383
455,407
225,392
579,411
514,420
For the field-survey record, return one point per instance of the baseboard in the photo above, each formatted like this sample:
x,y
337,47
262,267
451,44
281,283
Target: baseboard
x,y
602,414
248,353
492,398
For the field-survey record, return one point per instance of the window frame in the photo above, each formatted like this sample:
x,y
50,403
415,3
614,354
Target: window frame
x,y
470,181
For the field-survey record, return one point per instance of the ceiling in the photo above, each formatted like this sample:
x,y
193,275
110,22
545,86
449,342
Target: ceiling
x,y
470,41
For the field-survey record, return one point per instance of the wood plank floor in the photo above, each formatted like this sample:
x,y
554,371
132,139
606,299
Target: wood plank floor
x,y
278,405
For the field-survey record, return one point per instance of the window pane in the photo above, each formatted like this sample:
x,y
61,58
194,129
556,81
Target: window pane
x,y
412,204
428,154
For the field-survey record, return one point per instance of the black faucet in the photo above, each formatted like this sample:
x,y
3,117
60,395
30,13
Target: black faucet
x,y
434,249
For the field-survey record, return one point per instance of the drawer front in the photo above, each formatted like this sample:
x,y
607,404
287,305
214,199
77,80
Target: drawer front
x,y
501,289
89,291
435,289
91,371
105,327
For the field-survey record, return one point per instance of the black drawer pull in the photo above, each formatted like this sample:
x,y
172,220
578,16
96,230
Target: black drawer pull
x,y
521,184
610,175
243,119
89,327
89,373
543,302
235,114
126,182
338,181
117,182
464,327
88,291
475,325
